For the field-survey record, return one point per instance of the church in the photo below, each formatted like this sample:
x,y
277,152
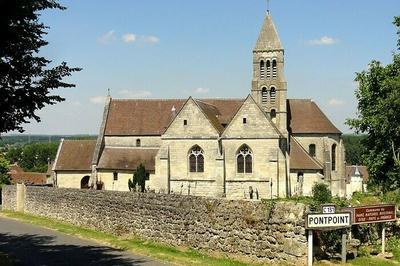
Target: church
x,y
263,146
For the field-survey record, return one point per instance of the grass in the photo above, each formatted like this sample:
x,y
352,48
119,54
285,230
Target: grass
x,y
177,256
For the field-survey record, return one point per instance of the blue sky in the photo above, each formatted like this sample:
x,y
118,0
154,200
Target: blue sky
x,y
177,48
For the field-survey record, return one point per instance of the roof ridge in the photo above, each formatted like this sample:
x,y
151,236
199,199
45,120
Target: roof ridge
x,y
149,99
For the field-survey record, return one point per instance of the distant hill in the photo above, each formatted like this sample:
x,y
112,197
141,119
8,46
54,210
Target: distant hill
x,y
23,139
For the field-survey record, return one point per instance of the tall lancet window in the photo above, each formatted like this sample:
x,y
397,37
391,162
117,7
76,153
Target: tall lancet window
x,y
333,155
272,95
262,69
264,95
268,69
196,160
244,160
274,68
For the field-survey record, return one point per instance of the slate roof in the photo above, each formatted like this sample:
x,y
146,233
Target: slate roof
x,y
75,155
351,171
305,117
150,117
127,158
300,159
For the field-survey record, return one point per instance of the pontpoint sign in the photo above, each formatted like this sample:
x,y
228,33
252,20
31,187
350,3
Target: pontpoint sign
x,y
328,220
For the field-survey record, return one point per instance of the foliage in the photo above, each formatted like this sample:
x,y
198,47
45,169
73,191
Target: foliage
x,y
354,149
23,139
34,157
378,98
26,80
321,194
4,168
393,243
139,178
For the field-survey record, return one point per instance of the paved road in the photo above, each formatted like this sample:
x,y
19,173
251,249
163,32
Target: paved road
x,y
32,245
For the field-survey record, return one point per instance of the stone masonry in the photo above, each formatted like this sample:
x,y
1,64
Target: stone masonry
x,y
266,232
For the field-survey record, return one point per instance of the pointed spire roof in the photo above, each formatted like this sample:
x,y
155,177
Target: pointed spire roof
x,y
268,38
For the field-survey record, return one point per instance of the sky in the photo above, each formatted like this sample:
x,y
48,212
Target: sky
x,y
203,49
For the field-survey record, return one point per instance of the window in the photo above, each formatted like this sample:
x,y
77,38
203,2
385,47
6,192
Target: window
x,y
264,95
115,175
273,114
272,95
244,160
274,68
185,122
85,182
244,120
311,150
268,69
138,143
333,155
262,69
196,160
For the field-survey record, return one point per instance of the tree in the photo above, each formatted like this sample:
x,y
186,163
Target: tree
x,y
4,176
26,81
139,178
378,98
354,149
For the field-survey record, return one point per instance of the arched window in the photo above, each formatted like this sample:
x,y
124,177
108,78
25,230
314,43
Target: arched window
x,y
264,95
333,157
274,68
85,182
196,160
262,69
244,160
311,150
272,95
273,115
138,143
268,69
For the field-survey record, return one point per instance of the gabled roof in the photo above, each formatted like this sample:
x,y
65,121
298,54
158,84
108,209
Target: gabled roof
x,y
268,38
75,155
151,117
351,170
300,159
127,158
304,116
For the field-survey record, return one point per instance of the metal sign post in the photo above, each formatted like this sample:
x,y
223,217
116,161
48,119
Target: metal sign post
x,y
310,248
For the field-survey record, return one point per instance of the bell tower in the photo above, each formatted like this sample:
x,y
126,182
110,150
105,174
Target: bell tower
x,y
269,85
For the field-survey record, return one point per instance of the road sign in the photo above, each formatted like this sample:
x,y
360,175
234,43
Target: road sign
x,y
328,220
374,214
328,208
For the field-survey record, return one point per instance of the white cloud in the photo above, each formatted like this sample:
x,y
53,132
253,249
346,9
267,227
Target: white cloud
x,y
335,102
98,99
197,91
75,103
134,94
129,37
324,40
149,39
202,90
107,37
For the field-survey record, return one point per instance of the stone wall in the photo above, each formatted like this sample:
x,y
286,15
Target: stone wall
x,y
257,231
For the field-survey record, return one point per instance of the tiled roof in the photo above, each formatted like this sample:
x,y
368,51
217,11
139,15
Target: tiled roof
x,y
75,155
300,159
150,117
127,158
306,117
351,171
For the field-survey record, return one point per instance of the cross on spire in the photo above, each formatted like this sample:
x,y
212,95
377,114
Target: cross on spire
x,y
267,6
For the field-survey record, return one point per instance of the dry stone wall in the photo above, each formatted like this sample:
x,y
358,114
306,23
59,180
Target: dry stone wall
x,y
262,232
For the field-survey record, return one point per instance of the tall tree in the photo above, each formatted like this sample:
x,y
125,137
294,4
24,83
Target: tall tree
x,y
26,80
4,167
378,98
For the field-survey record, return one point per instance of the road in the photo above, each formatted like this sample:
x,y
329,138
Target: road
x,y
32,245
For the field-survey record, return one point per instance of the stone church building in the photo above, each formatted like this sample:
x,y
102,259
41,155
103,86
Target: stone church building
x,y
263,146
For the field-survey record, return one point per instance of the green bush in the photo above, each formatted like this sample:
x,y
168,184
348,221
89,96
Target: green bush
x,y
393,243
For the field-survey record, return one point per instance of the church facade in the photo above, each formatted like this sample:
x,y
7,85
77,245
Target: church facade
x,y
263,146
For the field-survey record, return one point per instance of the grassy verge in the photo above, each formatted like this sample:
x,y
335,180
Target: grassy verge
x,y
147,248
